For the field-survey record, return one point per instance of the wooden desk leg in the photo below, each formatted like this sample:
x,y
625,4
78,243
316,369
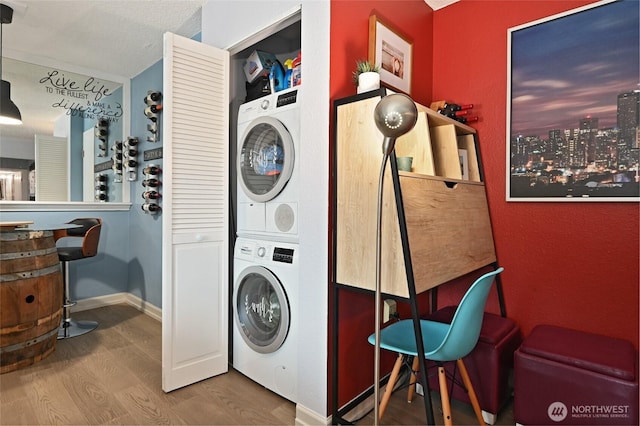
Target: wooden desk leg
x,y
390,385
415,368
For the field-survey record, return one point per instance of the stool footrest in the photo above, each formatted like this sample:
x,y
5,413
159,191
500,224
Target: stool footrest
x,y
72,328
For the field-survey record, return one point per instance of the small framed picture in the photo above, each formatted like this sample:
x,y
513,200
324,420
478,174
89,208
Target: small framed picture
x,y
464,164
392,52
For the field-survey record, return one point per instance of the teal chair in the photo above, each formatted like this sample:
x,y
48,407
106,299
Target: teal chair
x,y
442,343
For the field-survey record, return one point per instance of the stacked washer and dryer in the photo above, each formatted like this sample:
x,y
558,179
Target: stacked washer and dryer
x,y
266,275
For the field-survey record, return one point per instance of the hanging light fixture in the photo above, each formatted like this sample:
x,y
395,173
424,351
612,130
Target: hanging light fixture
x,y
9,112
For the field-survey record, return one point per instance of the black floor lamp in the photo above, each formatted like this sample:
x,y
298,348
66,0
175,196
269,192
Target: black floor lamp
x,y
394,115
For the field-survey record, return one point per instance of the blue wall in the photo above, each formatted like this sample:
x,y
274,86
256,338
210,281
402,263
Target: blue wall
x,y
130,250
145,267
104,274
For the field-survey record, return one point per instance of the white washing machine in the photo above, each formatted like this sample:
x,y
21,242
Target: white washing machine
x,y
265,311
267,166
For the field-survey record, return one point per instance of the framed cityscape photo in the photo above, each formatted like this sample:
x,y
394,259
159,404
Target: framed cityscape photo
x,y
573,105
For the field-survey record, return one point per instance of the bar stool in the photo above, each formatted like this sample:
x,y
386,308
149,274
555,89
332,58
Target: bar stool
x,y
89,231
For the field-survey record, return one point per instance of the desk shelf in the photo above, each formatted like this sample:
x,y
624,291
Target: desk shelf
x,y
447,217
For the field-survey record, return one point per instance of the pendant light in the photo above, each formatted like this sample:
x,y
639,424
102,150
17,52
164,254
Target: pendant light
x,y
9,112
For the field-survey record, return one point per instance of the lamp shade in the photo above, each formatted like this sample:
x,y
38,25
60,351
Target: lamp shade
x,y
394,115
9,112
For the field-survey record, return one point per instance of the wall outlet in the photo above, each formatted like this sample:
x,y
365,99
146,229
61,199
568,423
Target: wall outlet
x,y
390,310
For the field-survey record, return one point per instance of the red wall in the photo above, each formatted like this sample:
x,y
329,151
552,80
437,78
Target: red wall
x,y
349,42
570,264
574,265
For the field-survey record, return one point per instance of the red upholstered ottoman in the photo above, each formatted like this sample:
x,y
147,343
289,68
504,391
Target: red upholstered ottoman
x,y
564,376
489,364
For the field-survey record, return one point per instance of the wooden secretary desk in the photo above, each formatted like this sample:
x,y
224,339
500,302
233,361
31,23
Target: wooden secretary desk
x,y
438,230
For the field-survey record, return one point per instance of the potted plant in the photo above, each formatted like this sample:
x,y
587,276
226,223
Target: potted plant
x,y
366,76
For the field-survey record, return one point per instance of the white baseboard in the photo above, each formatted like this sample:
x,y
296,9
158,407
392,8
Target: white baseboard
x,y
307,417
115,299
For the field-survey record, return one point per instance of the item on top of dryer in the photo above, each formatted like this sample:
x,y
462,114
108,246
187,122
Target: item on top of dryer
x,y
288,65
277,77
258,64
296,73
258,88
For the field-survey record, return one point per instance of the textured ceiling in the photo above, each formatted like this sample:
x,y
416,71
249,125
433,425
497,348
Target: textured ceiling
x,y
118,37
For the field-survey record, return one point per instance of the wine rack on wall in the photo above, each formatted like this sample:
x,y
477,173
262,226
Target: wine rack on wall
x,y
152,194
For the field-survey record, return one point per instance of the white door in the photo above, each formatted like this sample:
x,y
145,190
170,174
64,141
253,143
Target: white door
x,y
195,237
88,166
52,168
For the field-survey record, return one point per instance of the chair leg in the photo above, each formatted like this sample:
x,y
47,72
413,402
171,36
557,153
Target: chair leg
x,y
390,385
415,368
68,326
444,396
472,393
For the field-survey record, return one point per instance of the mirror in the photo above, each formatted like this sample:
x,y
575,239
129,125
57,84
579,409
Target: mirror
x,y
58,154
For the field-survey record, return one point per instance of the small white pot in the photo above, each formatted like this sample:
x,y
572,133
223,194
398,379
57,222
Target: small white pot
x,y
368,81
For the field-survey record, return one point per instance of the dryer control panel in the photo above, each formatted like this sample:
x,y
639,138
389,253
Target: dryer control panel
x,y
270,104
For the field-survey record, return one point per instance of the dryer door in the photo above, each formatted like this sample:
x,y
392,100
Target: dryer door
x,y
261,309
265,159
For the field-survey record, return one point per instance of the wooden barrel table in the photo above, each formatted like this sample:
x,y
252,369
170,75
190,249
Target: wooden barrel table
x,y
30,297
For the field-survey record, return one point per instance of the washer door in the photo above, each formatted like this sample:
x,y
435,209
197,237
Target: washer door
x,y
265,159
261,309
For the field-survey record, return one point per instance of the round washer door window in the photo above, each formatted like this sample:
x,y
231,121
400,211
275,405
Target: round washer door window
x,y
261,309
265,159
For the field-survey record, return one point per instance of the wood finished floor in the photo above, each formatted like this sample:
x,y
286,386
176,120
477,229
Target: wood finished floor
x,y
112,376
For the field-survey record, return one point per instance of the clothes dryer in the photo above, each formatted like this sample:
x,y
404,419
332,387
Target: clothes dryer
x,y
267,166
265,311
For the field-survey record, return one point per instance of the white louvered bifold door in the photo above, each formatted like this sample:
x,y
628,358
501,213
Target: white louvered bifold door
x,y
52,168
195,242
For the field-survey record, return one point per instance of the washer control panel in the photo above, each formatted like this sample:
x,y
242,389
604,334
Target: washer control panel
x,y
284,255
265,252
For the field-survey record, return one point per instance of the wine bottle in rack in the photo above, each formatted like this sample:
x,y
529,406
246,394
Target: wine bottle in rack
x,y
151,195
152,98
467,119
101,187
454,114
152,112
101,196
154,183
151,170
101,178
456,107
151,208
